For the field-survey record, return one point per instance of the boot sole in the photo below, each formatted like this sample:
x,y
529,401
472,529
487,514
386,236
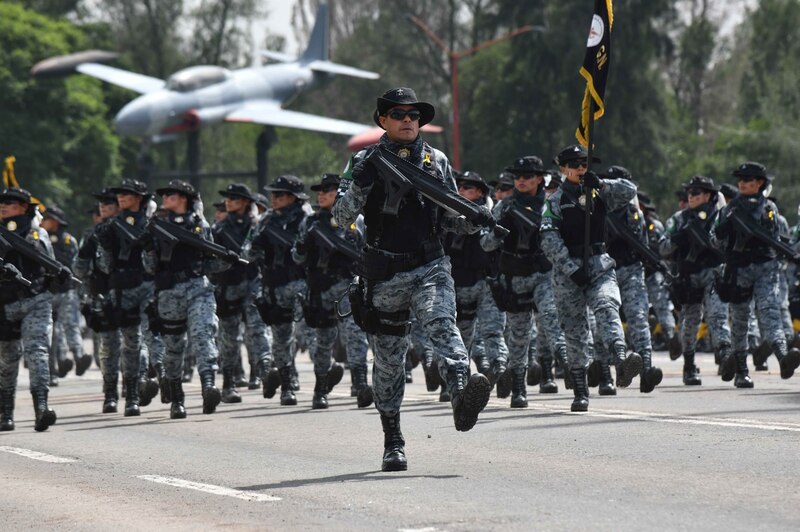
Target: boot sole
x,y
335,375
675,348
147,392
392,466
231,400
364,398
631,367
728,368
271,384
504,385
432,378
790,363
82,365
47,420
534,374
650,379
593,374
474,399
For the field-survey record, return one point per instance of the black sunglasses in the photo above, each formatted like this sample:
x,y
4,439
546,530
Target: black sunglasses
x,y
467,186
169,193
747,178
108,202
695,191
329,188
525,176
505,188
279,194
400,114
577,163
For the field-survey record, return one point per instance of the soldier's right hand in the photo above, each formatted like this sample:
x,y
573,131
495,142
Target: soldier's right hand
x,y
363,173
580,278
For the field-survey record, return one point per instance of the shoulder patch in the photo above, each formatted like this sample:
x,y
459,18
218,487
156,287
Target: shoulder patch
x,y
35,235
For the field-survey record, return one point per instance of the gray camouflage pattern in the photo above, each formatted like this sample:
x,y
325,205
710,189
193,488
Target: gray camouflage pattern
x,y
66,325
255,337
659,299
763,278
351,336
635,306
712,308
36,317
489,323
283,335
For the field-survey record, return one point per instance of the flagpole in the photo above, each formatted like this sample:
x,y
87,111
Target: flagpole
x,y
588,193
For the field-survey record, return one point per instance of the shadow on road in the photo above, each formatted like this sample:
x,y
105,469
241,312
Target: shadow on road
x,y
366,476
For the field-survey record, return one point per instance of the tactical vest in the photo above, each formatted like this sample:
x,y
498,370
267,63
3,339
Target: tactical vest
x,y
704,257
521,254
279,269
64,248
11,290
231,233
573,219
742,251
178,262
617,248
324,268
127,256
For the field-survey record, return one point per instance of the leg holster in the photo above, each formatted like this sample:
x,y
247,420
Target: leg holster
x,y
505,297
372,320
270,312
728,289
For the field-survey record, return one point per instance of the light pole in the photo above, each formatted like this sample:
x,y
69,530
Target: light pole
x,y
455,56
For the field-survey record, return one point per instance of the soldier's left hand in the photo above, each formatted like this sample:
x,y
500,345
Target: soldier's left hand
x,y
591,180
484,217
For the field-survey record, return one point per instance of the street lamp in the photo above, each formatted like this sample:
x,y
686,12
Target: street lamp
x,y
455,56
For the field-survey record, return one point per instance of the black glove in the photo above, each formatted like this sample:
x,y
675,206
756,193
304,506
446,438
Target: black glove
x,y
231,257
64,275
484,217
363,173
590,180
579,277
681,238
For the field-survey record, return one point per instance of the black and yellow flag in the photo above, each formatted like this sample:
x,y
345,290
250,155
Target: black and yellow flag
x,y
10,179
595,66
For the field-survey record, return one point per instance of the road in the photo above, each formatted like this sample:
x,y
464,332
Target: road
x,y
710,458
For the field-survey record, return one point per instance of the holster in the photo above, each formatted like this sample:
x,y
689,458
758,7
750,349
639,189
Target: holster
x,y
226,307
682,293
506,299
271,313
99,318
466,311
727,288
317,316
372,320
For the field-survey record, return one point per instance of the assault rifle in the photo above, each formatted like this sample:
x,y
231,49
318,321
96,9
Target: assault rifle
x,y
279,237
9,271
749,229
130,236
18,244
700,242
173,234
527,224
619,230
333,242
400,176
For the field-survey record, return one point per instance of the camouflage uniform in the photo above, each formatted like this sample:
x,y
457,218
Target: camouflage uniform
x,y
657,292
25,313
562,242
752,271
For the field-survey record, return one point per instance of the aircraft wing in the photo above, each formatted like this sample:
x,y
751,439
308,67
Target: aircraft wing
x,y
270,113
344,70
124,78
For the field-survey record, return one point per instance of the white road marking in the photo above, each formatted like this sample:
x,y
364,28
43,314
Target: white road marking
x,y
426,529
36,455
656,417
210,488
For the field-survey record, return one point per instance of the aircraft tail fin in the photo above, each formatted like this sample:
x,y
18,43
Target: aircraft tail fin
x,y
317,49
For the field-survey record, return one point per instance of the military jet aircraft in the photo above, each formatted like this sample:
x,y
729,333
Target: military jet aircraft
x,y
201,95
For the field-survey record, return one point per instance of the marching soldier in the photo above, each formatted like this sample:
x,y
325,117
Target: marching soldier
x,y
281,279
577,285
131,289
747,230
66,324
329,274
405,270
698,264
184,307
525,280
25,312
476,311
235,292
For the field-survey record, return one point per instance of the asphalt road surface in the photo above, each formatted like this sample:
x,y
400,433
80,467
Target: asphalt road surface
x,y
702,458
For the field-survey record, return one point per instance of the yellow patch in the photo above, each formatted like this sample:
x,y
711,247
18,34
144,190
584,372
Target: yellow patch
x,y
12,225
35,235
197,229
67,239
771,215
636,216
651,226
427,158
353,227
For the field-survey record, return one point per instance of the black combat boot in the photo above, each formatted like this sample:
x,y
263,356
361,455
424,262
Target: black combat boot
x,y
293,378
727,366
409,367
64,367
131,397
561,363
211,395
353,382
254,383
394,453
498,367
320,399
519,394
163,384
229,393
534,373
270,381
675,347
581,390
594,372
45,416
444,392
7,409
469,397
504,382
177,410
335,374
482,364
606,383
742,378
650,376
547,384
432,377
148,389
789,361
364,394
691,375
82,363
287,394
629,365
239,380
761,354
111,393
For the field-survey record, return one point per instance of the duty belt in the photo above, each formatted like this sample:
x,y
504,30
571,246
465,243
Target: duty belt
x,y
597,248
380,265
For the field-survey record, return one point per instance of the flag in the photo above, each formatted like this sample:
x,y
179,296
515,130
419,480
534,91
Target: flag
x,y
595,66
10,179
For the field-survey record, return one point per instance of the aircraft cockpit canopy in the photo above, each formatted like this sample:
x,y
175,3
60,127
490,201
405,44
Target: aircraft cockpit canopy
x,y
197,77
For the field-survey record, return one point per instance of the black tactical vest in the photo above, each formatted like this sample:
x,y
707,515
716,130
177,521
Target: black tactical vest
x,y
618,249
573,219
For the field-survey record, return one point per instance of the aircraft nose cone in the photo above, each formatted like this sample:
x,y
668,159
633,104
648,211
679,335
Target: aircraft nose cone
x,y
133,119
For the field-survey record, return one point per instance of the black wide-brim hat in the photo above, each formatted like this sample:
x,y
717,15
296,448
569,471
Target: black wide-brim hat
x,y
130,186
403,96
17,194
56,214
474,178
179,186
571,153
503,179
751,169
237,190
106,195
703,183
528,165
288,183
327,179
